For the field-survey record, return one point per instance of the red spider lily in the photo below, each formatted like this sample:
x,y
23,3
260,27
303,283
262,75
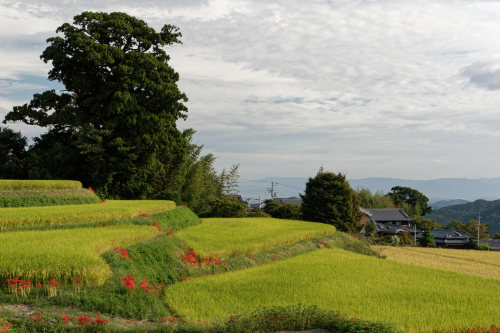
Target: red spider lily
x,y
82,320
190,257
170,233
129,282
37,317
123,253
91,190
187,278
145,215
65,318
184,206
38,285
5,326
250,255
102,201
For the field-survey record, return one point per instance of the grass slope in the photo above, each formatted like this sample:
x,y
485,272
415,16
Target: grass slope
x,y
229,237
66,253
70,214
478,263
418,299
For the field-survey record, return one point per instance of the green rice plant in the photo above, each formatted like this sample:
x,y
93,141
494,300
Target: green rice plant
x,y
66,253
30,198
13,184
70,214
417,299
229,237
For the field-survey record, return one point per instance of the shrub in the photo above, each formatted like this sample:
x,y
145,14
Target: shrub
x,y
484,247
281,210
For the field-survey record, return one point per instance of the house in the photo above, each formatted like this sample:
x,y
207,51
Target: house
x,y
390,221
451,238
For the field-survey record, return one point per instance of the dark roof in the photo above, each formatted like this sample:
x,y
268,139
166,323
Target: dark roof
x,y
393,229
387,215
450,234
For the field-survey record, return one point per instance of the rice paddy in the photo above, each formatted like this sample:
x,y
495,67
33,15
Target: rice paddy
x,y
479,263
12,184
90,213
65,253
417,299
228,237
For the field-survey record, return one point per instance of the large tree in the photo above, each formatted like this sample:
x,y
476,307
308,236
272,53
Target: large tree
x,y
117,116
330,199
418,203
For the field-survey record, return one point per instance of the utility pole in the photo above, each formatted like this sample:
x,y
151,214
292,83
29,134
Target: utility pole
x,y
478,227
271,190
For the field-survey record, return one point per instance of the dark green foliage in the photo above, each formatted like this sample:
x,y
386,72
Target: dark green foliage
x,y
30,198
330,199
114,126
427,239
496,235
374,200
490,210
282,210
417,201
300,318
471,228
228,206
370,229
423,223
12,154
257,213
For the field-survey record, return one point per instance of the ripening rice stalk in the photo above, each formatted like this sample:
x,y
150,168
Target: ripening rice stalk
x,y
68,214
40,256
12,184
227,237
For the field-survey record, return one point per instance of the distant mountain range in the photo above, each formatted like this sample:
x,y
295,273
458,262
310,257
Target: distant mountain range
x,y
436,189
489,210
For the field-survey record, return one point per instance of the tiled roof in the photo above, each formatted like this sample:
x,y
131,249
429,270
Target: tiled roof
x,y
387,215
449,233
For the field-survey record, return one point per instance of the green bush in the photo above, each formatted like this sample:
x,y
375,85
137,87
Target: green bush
x,y
228,207
281,210
484,247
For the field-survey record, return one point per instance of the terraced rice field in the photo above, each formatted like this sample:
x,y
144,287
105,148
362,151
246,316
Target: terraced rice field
x,y
479,263
70,214
417,299
12,184
66,253
227,237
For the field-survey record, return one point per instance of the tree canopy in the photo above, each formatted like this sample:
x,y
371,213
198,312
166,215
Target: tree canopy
x,y
330,199
417,201
116,119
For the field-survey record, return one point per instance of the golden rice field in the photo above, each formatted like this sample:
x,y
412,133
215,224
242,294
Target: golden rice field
x,y
227,237
417,299
89,213
12,184
479,263
65,253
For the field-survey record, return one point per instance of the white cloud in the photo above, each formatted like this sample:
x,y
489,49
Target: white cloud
x,y
372,88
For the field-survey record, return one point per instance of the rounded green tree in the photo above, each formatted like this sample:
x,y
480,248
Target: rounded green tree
x,y
329,198
116,118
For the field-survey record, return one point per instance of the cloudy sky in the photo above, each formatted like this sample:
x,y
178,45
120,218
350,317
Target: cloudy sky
x,y
407,89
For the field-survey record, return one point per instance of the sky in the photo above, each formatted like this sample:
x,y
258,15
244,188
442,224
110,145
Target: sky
x,y
403,89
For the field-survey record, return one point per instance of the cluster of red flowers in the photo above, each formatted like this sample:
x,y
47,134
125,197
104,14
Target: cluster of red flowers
x,y
17,285
53,287
37,317
157,225
5,326
187,278
123,253
83,320
129,282
193,258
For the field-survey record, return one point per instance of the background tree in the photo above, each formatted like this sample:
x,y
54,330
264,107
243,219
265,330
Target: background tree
x,y
374,200
427,240
471,228
116,119
12,154
282,210
418,203
330,199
